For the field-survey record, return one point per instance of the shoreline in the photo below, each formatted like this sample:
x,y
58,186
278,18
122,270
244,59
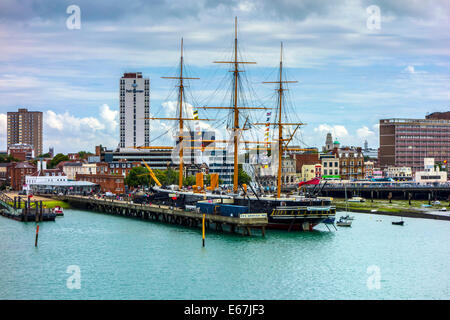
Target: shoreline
x,y
394,209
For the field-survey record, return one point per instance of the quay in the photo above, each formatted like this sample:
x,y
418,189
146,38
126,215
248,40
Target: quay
x,y
382,191
31,211
405,214
169,215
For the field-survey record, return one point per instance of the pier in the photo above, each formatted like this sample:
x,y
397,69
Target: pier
x,y
24,209
382,191
170,215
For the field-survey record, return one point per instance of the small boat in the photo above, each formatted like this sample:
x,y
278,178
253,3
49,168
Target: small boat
x,y
356,199
347,217
58,211
344,223
443,209
398,223
373,210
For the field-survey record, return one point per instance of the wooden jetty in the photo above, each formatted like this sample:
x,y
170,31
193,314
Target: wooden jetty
x,y
170,215
24,209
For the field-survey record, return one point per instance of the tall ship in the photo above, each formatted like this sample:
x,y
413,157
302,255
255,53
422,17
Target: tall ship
x,y
300,211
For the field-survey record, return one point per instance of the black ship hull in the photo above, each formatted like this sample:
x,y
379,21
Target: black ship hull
x,y
301,214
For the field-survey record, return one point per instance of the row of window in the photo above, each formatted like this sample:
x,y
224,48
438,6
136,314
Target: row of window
x,y
336,164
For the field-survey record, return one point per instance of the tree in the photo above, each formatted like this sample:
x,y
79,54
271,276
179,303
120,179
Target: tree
x,y
189,181
167,177
9,158
138,176
84,154
57,159
243,177
45,155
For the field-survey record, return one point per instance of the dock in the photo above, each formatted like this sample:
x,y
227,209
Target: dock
x,y
24,209
246,225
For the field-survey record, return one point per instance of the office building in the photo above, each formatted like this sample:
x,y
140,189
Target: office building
x,y
407,142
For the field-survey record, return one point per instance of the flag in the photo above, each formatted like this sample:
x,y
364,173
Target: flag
x,y
312,181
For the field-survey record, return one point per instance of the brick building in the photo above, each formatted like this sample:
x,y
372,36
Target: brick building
x,y
121,167
18,171
407,142
108,182
351,163
305,158
25,127
20,151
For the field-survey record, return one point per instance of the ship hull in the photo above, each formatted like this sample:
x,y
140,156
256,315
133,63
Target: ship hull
x,y
282,214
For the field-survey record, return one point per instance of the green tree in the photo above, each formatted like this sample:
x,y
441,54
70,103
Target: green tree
x,y
8,158
189,181
243,177
84,154
45,155
57,159
167,177
138,176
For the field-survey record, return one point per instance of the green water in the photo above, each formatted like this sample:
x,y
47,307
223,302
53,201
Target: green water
x,y
123,258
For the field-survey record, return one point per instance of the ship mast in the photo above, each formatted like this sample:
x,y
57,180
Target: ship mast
x,y
282,143
236,108
180,117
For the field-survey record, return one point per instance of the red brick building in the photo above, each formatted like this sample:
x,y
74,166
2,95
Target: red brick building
x,y
18,171
351,163
108,182
22,152
121,167
305,158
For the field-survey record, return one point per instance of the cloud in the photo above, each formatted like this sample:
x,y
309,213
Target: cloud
x,y
338,131
68,133
3,131
364,132
110,117
409,69
328,48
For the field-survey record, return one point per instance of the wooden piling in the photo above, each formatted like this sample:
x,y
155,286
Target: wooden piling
x,y
203,230
37,234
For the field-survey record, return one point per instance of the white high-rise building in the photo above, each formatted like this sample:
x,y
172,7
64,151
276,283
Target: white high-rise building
x,y
134,108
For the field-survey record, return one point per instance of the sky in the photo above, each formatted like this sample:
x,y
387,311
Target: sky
x,y
351,71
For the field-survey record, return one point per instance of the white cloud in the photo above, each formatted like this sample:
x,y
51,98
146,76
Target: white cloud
x,y
338,131
69,133
364,132
409,69
3,131
110,117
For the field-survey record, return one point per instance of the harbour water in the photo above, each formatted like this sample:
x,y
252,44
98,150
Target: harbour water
x,y
123,258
